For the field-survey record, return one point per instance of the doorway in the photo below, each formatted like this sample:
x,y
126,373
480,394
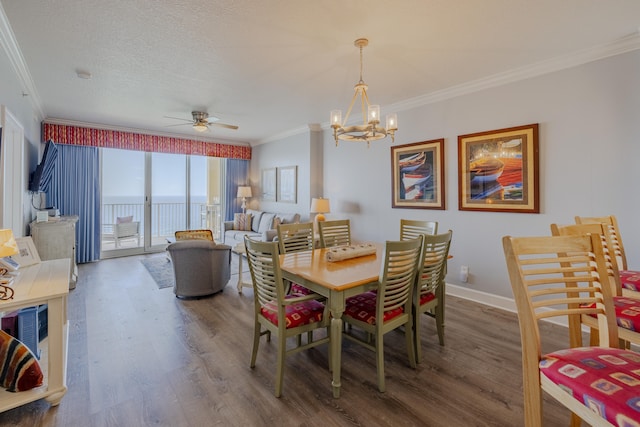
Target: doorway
x,y
146,197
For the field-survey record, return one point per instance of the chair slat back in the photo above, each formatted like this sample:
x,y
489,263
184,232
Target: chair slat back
x,y
410,229
557,276
264,265
397,276
434,267
295,237
335,233
598,229
614,235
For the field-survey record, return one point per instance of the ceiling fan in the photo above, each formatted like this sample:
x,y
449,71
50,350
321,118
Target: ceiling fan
x,y
201,121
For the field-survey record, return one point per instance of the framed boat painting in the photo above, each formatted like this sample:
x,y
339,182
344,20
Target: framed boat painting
x,y
417,175
498,170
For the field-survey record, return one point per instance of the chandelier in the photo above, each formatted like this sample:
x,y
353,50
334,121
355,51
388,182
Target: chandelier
x,y
370,129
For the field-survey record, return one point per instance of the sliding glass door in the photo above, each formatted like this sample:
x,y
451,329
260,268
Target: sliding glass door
x,y
146,197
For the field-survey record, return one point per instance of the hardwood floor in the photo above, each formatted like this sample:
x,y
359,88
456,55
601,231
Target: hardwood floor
x,y
138,356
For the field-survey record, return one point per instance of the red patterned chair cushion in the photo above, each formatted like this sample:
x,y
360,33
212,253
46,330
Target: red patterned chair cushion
x,y
299,289
627,313
362,307
302,313
427,297
606,380
630,279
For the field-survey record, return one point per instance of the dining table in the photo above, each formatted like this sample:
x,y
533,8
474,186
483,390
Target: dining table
x,y
337,281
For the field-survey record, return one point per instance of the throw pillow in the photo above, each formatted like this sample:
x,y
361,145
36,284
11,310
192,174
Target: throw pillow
x,y
242,222
19,369
265,222
124,219
276,223
255,219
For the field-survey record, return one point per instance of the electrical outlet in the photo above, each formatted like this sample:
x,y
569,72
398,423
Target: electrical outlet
x,y
464,273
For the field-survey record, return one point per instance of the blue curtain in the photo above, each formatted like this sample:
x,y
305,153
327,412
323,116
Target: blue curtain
x,y
75,190
237,175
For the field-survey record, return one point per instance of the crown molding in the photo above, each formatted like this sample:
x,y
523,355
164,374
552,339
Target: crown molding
x,y
617,47
10,46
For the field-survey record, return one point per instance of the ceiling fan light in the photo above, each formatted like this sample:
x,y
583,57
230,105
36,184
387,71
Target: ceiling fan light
x,y
200,127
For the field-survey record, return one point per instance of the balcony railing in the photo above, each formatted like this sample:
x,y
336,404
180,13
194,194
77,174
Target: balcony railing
x,y
166,218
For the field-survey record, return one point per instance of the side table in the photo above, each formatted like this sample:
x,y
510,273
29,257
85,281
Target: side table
x,y
239,250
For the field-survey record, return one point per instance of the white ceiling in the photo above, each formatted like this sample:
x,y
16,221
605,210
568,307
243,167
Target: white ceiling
x,y
275,67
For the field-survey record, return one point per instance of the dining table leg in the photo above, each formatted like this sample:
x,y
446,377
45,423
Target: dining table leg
x,y
336,306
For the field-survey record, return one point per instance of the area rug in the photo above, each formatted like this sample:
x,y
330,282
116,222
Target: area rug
x,y
161,269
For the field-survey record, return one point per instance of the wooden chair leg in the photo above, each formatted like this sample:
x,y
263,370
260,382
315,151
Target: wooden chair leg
x,y
440,322
380,361
256,343
282,348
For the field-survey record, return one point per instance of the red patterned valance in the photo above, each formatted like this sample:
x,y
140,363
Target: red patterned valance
x,y
76,135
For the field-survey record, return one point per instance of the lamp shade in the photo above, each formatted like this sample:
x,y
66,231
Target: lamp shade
x,y
320,205
8,245
244,192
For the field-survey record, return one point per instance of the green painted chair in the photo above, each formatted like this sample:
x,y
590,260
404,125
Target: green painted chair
x,y
334,233
276,313
295,237
429,294
409,228
375,313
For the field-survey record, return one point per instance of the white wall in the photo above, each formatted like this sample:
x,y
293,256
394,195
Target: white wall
x,y
292,151
589,150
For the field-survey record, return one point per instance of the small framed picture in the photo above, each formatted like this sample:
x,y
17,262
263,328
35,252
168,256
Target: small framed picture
x,y
28,254
417,175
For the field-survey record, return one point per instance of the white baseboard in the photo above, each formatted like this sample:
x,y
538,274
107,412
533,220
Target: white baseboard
x,y
491,300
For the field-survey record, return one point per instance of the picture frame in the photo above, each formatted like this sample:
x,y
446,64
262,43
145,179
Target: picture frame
x,y
269,185
417,175
28,254
287,184
498,170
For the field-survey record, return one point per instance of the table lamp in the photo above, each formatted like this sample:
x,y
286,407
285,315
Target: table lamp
x,y
244,192
8,245
320,207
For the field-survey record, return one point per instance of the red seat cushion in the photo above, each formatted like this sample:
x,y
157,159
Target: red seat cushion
x,y
630,279
299,289
298,314
430,296
363,307
606,380
627,313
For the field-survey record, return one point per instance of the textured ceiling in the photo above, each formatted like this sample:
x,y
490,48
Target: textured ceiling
x,y
274,67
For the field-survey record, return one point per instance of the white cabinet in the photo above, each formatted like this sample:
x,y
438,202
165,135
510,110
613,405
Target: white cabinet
x,y
44,283
56,239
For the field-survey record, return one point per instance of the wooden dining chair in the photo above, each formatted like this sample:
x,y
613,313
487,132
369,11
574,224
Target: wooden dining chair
x,y
334,233
566,277
630,279
276,313
296,237
429,294
409,228
389,307
627,310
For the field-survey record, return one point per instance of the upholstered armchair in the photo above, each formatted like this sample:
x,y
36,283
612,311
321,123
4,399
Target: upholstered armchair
x,y
201,267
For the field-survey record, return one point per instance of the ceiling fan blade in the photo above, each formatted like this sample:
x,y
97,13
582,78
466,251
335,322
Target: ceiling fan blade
x,y
224,125
179,124
179,118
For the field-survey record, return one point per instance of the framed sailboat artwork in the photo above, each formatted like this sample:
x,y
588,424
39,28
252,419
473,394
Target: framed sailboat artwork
x,y
417,175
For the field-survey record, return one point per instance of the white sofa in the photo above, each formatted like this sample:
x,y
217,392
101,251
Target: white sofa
x,y
263,226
